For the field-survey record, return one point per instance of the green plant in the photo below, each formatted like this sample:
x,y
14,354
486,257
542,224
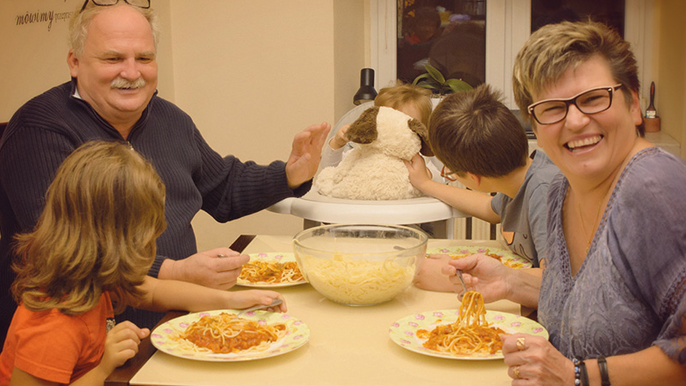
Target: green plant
x,y
436,82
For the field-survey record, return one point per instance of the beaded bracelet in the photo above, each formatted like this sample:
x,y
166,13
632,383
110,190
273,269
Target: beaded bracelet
x,y
578,363
604,375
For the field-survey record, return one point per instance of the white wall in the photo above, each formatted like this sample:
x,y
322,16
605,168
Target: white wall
x,y
252,74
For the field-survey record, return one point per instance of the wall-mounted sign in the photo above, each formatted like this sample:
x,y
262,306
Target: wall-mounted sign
x,y
45,12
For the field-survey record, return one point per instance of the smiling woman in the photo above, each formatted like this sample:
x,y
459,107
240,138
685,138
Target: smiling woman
x,y
613,267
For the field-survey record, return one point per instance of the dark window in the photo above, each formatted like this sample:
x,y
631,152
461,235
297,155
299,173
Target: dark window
x,y
610,12
449,34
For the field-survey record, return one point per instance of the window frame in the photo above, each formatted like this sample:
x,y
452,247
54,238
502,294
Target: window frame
x,y
508,25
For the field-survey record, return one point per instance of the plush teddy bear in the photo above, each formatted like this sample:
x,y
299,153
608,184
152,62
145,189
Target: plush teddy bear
x,y
374,169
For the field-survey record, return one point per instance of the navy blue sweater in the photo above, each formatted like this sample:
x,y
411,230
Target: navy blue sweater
x,y
50,126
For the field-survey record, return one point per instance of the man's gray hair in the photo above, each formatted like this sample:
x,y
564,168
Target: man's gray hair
x,y
80,21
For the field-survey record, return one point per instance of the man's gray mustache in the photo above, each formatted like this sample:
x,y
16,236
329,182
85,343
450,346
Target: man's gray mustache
x,y
123,83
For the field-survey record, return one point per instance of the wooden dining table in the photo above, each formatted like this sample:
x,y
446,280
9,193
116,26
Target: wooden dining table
x,y
347,345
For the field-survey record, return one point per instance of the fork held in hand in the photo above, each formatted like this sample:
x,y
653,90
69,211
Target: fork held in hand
x,y
275,303
459,275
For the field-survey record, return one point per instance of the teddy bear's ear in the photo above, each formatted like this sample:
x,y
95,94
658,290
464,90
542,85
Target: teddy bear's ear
x,y
423,133
363,130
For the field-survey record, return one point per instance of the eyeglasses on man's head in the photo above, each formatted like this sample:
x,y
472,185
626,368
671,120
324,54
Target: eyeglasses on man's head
x,y
103,3
593,101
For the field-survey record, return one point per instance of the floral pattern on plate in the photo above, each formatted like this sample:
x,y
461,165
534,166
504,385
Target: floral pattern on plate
x,y
281,257
404,331
506,256
298,334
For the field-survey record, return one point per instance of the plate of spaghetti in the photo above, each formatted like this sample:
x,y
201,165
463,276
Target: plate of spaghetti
x,y
470,332
505,256
269,270
222,336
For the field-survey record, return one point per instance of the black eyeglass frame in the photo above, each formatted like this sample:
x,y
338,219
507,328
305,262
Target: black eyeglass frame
x,y
572,100
85,3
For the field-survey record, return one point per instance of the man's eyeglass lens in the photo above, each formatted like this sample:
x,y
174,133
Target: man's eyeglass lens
x,y
135,3
589,102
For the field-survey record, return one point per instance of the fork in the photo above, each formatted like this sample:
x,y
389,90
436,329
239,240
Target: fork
x,y
459,275
275,303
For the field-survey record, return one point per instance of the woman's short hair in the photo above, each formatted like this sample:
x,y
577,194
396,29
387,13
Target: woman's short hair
x,y
403,94
103,213
473,131
81,20
555,48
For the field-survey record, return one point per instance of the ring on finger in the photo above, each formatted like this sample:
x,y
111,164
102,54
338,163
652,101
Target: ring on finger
x,y
515,372
521,343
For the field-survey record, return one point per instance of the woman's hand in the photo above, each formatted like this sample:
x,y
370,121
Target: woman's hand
x,y
532,360
480,273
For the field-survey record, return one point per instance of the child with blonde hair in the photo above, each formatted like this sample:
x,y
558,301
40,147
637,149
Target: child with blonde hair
x,y
91,249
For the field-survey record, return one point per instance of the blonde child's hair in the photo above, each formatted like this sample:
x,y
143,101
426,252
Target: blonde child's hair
x,y
403,94
103,213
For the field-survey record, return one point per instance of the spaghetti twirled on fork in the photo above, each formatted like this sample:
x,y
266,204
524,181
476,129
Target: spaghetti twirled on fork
x,y
470,334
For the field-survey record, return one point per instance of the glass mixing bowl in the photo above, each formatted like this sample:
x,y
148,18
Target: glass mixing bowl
x,y
359,264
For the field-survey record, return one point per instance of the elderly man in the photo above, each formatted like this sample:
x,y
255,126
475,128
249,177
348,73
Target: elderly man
x,y
112,96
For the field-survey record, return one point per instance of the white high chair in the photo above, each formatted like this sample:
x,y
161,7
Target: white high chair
x,y
313,207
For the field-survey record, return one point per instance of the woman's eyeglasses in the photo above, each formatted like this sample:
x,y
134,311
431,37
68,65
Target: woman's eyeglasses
x,y
103,3
593,101
447,174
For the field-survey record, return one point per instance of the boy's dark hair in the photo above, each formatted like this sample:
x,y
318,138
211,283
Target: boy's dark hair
x,y
472,131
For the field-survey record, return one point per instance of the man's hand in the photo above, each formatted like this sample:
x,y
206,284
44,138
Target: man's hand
x,y
305,155
218,268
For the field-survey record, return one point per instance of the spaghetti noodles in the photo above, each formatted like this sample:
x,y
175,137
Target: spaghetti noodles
x,y
271,272
471,334
346,280
227,333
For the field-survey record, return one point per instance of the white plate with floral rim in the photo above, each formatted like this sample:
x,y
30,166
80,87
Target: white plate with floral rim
x,y
404,331
279,257
164,337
